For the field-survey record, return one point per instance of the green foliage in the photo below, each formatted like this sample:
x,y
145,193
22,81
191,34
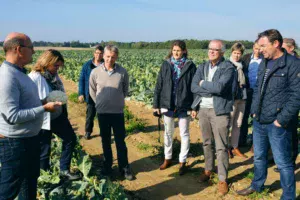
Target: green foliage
x,y
144,147
73,97
250,175
132,124
143,66
260,195
298,193
191,44
51,187
1,59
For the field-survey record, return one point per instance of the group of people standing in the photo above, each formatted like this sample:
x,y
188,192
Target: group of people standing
x,y
222,93
28,120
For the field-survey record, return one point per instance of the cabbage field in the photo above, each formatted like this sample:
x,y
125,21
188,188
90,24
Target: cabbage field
x,y
142,66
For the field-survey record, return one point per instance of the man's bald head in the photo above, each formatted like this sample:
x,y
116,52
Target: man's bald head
x,y
13,40
18,49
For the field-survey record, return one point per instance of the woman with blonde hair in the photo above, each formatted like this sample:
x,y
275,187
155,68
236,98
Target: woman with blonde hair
x,y
45,76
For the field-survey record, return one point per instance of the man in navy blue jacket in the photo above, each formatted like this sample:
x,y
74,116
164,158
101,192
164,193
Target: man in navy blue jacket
x,y
276,100
83,89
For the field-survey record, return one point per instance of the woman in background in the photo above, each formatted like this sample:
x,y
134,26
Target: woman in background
x,y
240,97
45,76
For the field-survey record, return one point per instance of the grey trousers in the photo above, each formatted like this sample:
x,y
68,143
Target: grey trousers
x,y
215,128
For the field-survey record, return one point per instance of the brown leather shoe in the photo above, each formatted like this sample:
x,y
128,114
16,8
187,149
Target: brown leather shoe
x,y
182,168
246,191
205,176
222,187
166,164
237,152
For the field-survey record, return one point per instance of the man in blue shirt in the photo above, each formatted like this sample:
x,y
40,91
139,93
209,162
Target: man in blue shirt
x,y
83,89
251,62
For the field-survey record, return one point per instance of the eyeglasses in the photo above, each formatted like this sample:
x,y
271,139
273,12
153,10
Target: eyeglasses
x,y
211,49
29,47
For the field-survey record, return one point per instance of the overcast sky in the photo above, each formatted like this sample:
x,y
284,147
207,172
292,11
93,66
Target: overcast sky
x,y
148,20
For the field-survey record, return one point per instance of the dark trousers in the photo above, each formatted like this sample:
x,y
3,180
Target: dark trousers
x,y
280,140
90,116
245,125
117,123
20,167
62,128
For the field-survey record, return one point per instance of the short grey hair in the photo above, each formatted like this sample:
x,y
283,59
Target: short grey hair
x,y
13,43
223,46
112,48
290,42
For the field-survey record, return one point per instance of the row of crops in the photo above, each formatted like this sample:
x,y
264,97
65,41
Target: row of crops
x,y
142,66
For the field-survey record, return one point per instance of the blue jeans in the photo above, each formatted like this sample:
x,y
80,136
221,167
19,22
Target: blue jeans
x,y
20,168
280,140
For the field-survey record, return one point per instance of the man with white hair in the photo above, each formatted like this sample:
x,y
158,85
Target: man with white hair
x,y
213,83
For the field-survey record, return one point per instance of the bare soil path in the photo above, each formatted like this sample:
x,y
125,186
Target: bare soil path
x,y
145,155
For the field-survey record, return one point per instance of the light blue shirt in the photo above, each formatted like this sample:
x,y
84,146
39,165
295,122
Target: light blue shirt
x,y
252,70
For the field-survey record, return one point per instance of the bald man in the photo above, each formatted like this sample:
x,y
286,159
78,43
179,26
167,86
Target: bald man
x,y
21,118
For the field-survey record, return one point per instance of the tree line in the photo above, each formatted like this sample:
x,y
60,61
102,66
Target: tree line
x,y
191,44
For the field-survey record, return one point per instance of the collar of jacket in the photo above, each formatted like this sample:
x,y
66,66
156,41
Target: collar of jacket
x,y
219,63
186,66
281,62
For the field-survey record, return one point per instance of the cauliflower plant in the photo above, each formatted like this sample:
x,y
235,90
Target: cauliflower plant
x,y
57,95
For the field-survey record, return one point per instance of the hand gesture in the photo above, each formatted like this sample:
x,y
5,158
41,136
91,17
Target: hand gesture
x,y
81,99
52,106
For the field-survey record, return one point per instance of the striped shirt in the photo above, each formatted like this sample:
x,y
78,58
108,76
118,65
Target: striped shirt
x,y
270,65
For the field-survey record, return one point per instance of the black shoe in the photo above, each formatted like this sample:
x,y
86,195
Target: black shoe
x,y
87,135
276,170
246,191
106,171
182,168
126,171
66,175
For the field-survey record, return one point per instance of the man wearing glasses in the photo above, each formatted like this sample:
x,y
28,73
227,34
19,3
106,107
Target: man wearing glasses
x,y
83,89
21,119
213,82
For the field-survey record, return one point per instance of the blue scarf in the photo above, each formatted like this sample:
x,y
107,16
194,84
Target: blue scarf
x,y
178,65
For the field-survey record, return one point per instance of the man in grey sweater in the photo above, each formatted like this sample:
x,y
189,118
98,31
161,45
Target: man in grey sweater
x,y
21,118
108,88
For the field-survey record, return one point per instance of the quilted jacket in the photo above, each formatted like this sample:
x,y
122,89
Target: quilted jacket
x,y
280,98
